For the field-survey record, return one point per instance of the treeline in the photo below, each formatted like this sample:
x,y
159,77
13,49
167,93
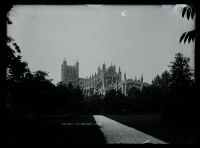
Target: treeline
x,y
172,94
32,93
36,95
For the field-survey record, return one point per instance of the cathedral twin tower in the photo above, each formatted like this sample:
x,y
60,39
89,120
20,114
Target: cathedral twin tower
x,y
104,80
70,73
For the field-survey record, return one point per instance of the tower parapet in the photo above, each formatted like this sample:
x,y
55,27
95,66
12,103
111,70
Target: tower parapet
x,y
70,73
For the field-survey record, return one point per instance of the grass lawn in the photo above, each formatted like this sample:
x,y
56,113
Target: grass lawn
x,y
150,124
72,129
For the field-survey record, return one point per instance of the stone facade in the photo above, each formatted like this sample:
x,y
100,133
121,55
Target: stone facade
x,y
102,81
105,79
70,73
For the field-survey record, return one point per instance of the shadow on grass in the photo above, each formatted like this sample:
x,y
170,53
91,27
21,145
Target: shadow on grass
x,y
72,129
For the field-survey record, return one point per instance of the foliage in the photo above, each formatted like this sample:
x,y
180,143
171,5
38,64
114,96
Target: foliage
x,y
188,36
181,72
188,11
35,94
92,105
157,81
114,102
178,108
162,81
15,66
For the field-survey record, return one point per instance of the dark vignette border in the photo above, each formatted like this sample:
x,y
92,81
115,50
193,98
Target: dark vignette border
x,y
6,7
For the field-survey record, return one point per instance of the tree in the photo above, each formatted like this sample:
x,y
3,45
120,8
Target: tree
x,y
114,102
190,12
181,72
165,77
157,81
40,75
177,109
16,68
133,92
162,81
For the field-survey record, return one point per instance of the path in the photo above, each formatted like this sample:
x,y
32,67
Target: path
x,y
117,133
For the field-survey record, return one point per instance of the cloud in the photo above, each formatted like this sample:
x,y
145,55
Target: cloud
x,y
167,6
94,5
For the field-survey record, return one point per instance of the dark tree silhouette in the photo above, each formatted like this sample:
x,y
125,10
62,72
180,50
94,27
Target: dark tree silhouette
x,y
189,12
133,92
16,68
114,102
40,75
177,108
181,73
92,105
166,80
14,65
157,81
162,81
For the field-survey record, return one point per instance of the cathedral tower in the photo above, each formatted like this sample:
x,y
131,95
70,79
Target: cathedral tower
x,y
70,73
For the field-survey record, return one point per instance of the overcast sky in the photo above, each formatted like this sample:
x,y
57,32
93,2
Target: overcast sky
x,y
139,39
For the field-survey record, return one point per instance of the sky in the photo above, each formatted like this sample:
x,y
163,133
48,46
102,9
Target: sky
x,y
141,39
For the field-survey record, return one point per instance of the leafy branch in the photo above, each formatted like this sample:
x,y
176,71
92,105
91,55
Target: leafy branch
x,y
189,12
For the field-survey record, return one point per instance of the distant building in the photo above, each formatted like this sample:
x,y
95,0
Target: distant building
x,y
70,73
105,79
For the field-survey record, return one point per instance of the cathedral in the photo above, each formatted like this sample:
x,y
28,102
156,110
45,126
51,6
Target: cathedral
x,y
70,73
105,79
